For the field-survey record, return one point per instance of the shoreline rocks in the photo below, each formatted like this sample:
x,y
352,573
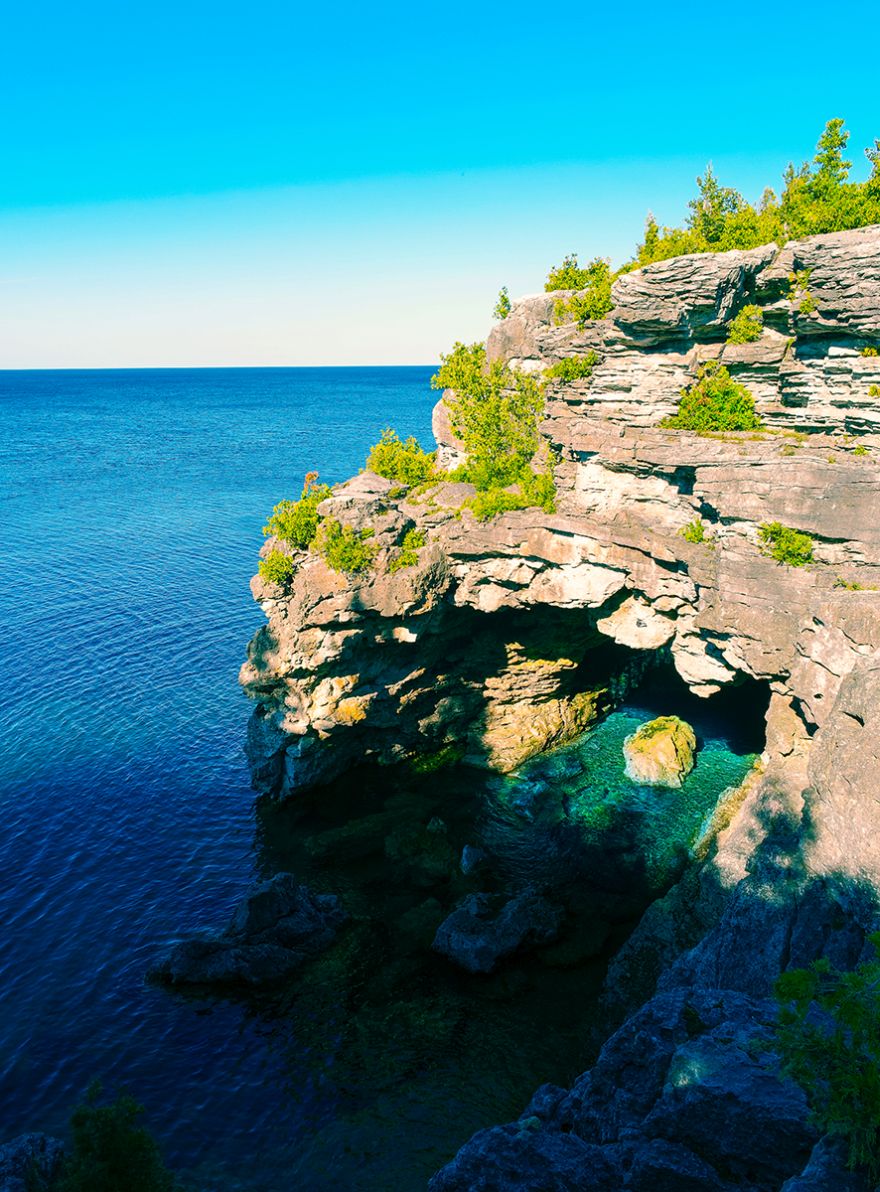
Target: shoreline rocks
x,y
30,1163
276,928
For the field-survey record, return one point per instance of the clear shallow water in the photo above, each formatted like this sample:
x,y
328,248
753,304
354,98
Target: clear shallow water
x,y
130,513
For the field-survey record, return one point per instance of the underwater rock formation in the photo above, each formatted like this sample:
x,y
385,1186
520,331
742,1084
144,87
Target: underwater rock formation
x,y
477,940
661,752
274,930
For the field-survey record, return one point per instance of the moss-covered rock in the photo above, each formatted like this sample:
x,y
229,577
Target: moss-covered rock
x,y
661,752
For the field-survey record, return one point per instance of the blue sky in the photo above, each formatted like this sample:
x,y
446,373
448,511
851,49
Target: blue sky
x,y
281,184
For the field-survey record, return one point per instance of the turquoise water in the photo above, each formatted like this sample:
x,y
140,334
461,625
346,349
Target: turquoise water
x,y
131,511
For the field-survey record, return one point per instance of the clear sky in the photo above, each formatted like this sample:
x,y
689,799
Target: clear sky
x,y
280,183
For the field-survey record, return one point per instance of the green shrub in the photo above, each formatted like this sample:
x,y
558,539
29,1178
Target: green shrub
x,y
539,489
404,462
488,504
868,352
111,1151
495,413
816,197
296,522
532,490
594,285
714,402
834,1055
785,545
502,307
407,554
799,291
277,567
860,449
747,326
572,368
874,391
694,531
568,275
343,548
852,585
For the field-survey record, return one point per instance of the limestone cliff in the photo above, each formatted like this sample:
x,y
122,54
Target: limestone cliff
x,y
511,635
449,651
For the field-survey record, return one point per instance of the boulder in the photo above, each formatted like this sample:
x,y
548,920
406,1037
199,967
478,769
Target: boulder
x,y
660,1166
477,936
826,1171
661,752
524,1158
30,1162
274,930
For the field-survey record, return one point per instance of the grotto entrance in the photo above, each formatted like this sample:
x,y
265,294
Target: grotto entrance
x,y
408,1051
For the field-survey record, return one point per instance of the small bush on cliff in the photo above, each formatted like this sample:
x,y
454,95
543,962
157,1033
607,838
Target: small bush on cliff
x,y
747,326
407,554
714,402
502,307
276,568
785,545
874,391
532,490
296,522
404,462
799,291
868,352
828,1037
572,368
343,548
112,1151
694,531
593,301
495,412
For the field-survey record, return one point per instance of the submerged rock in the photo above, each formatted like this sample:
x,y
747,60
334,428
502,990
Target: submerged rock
x,y
661,752
477,937
275,929
31,1161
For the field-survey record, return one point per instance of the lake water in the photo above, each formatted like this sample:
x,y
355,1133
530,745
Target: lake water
x,y
131,504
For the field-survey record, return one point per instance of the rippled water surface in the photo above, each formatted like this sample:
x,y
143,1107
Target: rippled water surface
x,y
131,511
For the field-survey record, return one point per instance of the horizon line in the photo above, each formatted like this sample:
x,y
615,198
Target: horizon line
x,y
203,367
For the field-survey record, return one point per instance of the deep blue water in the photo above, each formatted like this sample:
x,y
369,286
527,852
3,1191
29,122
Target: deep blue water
x,y
131,504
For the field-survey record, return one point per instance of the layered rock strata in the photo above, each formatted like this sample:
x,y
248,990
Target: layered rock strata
x,y
450,653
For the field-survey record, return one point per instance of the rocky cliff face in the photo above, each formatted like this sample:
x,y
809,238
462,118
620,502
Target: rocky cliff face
x,y
514,634
450,651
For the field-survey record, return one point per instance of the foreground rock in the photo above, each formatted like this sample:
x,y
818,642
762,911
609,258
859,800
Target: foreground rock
x,y
30,1163
681,1099
477,935
277,927
661,752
